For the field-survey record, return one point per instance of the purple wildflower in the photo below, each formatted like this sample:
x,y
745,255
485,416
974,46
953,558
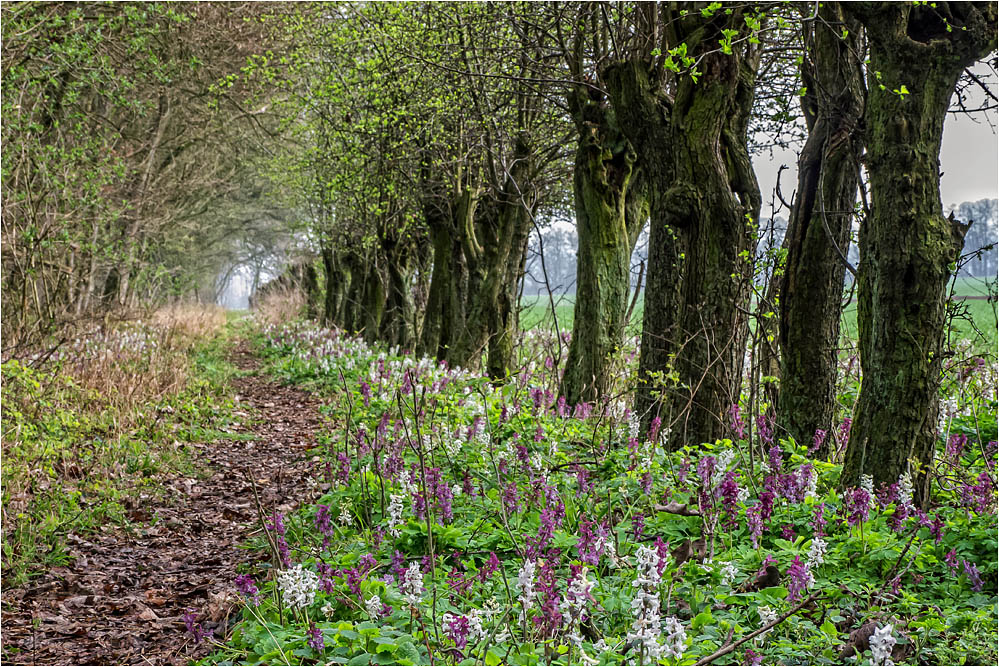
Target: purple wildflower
x,y
654,427
195,629
316,641
736,422
511,500
488,568
764,424
754,522
856,505
955,446
974,576
456,628
323,520
637,526
705,469
800,579
248,587
818,522
818,440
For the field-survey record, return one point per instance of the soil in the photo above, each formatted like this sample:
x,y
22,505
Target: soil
x,y
123,598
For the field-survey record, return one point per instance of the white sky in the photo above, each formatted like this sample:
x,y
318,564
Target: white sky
x,y
969,160
969,156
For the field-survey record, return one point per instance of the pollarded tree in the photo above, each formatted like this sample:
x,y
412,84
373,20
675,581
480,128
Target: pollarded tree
x,y
683,98
818,233
907,247
611,207
487,169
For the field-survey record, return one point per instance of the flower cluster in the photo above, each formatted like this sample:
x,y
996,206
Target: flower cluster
x,y
298,586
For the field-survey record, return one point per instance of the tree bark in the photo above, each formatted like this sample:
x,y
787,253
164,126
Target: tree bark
x,y
907,247
704,205
818,234
494,241
445,306
604,176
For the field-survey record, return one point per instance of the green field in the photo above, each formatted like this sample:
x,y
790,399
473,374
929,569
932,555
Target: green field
x,y
536,312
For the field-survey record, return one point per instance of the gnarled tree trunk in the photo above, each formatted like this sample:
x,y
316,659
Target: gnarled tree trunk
x,y
818,234
704,205
907,246
604,183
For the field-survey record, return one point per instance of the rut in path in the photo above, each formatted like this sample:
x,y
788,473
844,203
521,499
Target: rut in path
x,y
123,597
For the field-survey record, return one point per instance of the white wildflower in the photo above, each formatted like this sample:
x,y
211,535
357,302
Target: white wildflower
x,y
327,610
573,605
633,425
537,461
728,574
406,481
645,629
373,606
905,489
676,638
722,464
525,582
811,491
395,514
767,616
475,629
298,586
412,585
346,518
867,484
452,447
816,553
456,490
882,642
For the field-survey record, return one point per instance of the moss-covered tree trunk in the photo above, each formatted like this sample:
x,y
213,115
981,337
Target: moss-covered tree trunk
x,y
397,325
373,304
445,304
703,210
907,246
603,178
336,279
493,240
818,234
506,327
354,292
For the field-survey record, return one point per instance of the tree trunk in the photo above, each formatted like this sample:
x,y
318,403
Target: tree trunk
x,y
603,179
907,246
373,305
818,234
704,205
494,242
397,321
444,312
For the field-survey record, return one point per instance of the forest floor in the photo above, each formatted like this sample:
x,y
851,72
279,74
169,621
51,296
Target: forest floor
x,y
123,597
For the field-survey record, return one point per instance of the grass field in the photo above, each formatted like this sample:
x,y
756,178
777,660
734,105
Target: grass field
x,y
536,312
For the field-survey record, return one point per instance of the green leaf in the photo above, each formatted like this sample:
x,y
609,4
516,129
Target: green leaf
x,y
701,620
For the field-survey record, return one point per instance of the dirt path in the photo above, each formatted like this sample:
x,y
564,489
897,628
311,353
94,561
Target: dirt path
x,y
123,598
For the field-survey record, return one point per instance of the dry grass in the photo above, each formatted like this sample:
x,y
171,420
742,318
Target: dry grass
x,y
91,423
280,306
189,321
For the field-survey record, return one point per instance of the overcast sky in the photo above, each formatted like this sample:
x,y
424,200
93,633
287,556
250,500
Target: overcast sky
x,y
969,160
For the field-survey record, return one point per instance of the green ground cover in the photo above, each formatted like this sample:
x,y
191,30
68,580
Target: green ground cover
x,y
467,523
